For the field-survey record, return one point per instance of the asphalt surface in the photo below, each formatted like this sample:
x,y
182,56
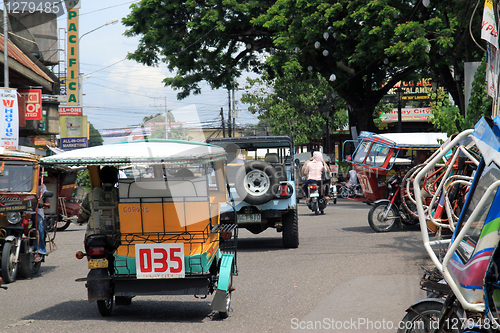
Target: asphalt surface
x,y
343,278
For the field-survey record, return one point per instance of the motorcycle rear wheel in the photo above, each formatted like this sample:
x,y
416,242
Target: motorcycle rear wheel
x,y
422,317
376,219
105,306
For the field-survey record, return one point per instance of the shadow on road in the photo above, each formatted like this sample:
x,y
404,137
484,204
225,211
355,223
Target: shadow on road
x,y
368,230
145,310
260,244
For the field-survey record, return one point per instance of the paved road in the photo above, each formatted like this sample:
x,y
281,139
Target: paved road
x,y
343,275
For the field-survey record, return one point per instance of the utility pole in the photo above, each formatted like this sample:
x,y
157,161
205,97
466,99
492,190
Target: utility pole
x,y
223,126
233,114
167,120
229,114
5,46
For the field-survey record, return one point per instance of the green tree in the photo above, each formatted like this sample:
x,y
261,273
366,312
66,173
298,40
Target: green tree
x,y
95,138
363,46
293,107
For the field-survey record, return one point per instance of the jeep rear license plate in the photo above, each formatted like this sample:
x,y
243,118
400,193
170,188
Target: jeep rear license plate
x,y
250,218
98,263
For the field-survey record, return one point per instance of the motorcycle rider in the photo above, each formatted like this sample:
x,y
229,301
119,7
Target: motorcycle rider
x,y
100,208
313,170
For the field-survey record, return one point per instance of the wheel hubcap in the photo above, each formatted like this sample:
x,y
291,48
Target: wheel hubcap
x,y
257,183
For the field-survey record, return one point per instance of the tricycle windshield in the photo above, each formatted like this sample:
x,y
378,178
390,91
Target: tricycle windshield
x,y
488,176
378,154
16,176
374,154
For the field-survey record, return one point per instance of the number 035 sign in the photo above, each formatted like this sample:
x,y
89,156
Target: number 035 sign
x,y
159,261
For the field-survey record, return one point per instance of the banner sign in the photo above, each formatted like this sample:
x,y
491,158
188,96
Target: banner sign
x,y
73,143
72,88
9,113
492,71
32,103
70,111
407,115
489,30
73,131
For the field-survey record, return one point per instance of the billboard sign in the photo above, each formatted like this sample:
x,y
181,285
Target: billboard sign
x,y
70,111
9,113
32,103
73,130
72,84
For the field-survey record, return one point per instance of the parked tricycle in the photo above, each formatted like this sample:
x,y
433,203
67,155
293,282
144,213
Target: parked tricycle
x,y
381,161
156,233
470,262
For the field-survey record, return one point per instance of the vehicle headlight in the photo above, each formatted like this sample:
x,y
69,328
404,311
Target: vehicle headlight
x,y
389,186
13,217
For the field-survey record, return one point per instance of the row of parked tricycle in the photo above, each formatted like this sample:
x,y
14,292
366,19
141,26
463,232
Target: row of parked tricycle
x,y
452,193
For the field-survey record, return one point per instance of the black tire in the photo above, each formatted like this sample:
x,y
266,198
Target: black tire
x,y
422,317
377,221
61,226
36,267
257,183
314,207
335,201
50,224
9,264
105,306
291,229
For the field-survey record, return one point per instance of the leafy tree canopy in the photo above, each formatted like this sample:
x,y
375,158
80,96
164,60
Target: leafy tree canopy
x,y
363,47
296,108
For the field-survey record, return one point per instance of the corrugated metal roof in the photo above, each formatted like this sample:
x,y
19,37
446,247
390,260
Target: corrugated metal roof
x,y
16,54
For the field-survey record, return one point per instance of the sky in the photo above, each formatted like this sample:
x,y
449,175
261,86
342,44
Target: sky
x,y
120,93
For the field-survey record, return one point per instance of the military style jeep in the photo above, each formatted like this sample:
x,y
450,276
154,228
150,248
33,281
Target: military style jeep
x,y
261,175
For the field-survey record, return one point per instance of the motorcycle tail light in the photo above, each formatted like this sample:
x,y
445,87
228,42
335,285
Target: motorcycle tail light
x,y
96,251
225,235
284,190
313,187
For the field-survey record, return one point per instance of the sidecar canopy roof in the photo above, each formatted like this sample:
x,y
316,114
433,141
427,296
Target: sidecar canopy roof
x,y
142,152
407,140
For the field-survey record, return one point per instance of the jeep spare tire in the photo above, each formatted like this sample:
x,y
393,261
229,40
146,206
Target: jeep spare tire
x,y
256,183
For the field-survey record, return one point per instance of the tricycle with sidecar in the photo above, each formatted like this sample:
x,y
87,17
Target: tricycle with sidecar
x,y
171,240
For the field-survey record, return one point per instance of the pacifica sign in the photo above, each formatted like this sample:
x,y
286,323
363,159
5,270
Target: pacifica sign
x,y
73,63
